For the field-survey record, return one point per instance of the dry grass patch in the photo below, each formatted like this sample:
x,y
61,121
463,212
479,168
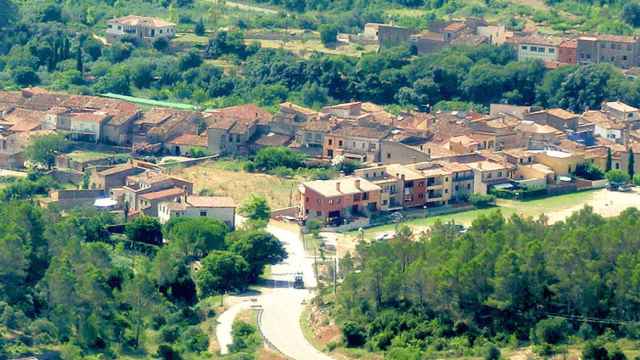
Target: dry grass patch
x,y
217,178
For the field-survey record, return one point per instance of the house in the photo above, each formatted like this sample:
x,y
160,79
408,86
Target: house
x,y
13,145
536,46
186,144
141,28
354,141
605,126
568,52
232,129
290,118
23,120
214,207
561,162
489,173
621,51
462,180
534,134
438,183
391,185
158,126
621,111
558,118
427,42
386,35
336,200
496,34
113,177
145,191
453,31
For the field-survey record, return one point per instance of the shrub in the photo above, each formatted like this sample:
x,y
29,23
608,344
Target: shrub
x,y
480,200
617,176
43,332
245,337
589,171
491,352
194,340
551,331
354,334
636,179
166,352
169,333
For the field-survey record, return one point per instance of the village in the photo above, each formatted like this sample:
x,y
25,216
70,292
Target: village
x,y
414,160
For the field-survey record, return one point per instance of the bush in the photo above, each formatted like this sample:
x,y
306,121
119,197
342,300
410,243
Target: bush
x,y
617,176
480,200
169,333
245,337
589,171
166,352
551,331
194,340
328,34
636,179
491,352
354,335
43,332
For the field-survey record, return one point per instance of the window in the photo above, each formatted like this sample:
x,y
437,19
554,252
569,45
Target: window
x,y
318,213
541,50
457,187
384,202
534,48
330,142
446,191
624,57
499,173
468,186
602,46
524,47
330,202
340,143
306,199
388,155
203,213
552,51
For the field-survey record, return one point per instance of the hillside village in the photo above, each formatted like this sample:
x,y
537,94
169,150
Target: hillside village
x,y
411,160
389,179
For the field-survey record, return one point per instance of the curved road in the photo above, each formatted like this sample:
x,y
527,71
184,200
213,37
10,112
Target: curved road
x,y
282,305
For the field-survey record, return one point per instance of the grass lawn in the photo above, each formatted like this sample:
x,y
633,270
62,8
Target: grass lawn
x,y
226,178
533,208
82,156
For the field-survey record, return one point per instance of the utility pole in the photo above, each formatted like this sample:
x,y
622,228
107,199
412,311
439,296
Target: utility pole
x,y
335,274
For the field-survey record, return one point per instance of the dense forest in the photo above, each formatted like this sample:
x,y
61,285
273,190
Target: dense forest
x,y
504,282
48,46
69,285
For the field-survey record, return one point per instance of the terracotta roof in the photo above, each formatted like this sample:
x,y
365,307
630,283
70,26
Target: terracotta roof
x,y
617,38
569,44
246,112
455,26
116,169
561,114
456,167
464,140
162,194
96,117
351,130
155,116
409,173
19,115
211,201
532,127
190,139
342,186
487,166
297,108
537,39
134,20
272,139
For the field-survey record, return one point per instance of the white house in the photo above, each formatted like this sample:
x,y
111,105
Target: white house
x,y
215,207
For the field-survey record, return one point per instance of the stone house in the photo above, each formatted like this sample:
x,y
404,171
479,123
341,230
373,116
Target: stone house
x,y
214,207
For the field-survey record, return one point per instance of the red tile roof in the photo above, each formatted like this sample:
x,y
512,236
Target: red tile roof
x,y
211,201
190,139
163,194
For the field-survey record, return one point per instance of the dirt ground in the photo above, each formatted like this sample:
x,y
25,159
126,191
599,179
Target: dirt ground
x,y
239,185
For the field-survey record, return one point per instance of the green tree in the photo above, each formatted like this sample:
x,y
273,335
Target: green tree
x,y
24,76
631,164
144,229
196,236
631,13
141,295
255,208
43,149
616,176
199,28
609,161
258,248
271,157
8,12
328,34
221,272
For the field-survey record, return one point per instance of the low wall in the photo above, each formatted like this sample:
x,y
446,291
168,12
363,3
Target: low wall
x,y
288,211
354,225
189,162
67,176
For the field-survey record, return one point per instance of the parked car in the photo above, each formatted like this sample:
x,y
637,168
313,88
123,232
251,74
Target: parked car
x,y
624,188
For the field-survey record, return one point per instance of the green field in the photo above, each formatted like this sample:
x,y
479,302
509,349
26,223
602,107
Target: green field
x,y
533,208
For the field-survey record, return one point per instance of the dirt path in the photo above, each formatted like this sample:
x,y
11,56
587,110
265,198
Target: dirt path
x,y
247,7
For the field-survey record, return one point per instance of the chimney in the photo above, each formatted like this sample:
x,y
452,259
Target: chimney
x,y
358,184
338,186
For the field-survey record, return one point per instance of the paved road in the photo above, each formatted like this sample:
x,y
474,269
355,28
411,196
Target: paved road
x,y
282,305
